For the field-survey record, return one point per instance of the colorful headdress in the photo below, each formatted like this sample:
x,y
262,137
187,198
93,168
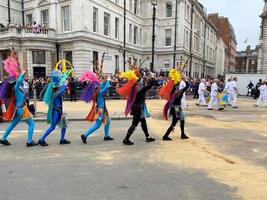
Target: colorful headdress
x,y
92,82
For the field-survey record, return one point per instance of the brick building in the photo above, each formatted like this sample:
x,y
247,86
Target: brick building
x,y
227,33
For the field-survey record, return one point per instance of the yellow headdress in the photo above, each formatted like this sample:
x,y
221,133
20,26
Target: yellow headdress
x,y
175,75
130,75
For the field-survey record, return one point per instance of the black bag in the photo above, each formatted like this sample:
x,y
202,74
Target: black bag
x,y
32,109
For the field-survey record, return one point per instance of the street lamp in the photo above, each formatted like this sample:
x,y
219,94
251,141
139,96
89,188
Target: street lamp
x,y
154,4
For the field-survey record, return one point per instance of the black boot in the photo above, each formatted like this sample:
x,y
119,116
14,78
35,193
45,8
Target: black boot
x,y
108,138
32,144
83,139
42,143
127,142
166,138
150,139
168,132
64,142
5,142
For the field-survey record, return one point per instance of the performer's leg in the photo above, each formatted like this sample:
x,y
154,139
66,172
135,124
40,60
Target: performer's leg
x,y
234,100
145,130
183,135
62,138
106,131
55,119
11,126
30,124
211,102
93,128
259,100
136,120
171,128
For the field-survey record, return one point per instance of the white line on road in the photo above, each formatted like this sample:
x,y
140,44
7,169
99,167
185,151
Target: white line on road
x,y
24,131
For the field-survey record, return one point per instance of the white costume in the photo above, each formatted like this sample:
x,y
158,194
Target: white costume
x,y
227,86
213,96
233,93
263,95
201,92
182,85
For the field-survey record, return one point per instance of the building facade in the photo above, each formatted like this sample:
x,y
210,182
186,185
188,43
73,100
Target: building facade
x,y
247,61
81,31
226,32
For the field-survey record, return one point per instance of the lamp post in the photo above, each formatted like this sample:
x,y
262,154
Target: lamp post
x,y
154,4
175,34
124,36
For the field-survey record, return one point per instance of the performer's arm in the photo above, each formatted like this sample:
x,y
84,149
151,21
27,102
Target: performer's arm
x,y
19,81
60,91
105,88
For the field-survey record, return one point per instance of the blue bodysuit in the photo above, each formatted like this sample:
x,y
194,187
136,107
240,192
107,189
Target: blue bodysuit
x,y
102,110
55,113
20,102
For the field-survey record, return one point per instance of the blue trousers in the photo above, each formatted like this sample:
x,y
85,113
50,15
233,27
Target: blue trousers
x,y
56,116
96,126
14,123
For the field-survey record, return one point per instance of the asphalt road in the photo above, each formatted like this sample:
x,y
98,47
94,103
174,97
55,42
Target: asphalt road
x,y
101,170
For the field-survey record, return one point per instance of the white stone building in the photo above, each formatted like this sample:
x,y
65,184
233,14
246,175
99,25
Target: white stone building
x,y
81,30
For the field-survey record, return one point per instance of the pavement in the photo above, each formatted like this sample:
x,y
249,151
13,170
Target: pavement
x,y
224,159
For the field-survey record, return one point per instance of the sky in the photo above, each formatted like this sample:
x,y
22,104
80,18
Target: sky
x,y
243,15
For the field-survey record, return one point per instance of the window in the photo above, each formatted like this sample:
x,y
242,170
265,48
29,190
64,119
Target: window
x,y
38,57
66,18
117,63
117,28
95,59
168,37
106,24
135,35
95,19
169,9
45,17
141,36
29,19
68,56
130,5
130,33
136,6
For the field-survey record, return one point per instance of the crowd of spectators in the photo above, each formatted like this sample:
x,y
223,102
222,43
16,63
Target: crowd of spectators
x,y
34,27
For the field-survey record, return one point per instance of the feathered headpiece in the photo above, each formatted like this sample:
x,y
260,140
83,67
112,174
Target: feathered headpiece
x,y
11,66
92,82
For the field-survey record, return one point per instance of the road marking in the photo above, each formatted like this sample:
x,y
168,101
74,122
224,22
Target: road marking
x,y
24,131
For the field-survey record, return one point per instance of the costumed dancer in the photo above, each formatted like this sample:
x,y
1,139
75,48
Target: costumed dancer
x,y
263,94
214,95
53,98
227,87
202,89
135,92
173,94
95,92
17,109
233,91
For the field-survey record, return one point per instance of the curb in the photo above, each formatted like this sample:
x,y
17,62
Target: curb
x,y
77,119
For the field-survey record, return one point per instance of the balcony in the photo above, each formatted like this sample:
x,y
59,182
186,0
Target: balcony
x,y
27,33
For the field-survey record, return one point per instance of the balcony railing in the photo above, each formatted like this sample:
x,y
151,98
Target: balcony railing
x,y
27,32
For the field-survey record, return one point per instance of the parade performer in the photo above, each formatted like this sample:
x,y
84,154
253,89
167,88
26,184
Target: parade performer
x,y
214,95
53,98
233,91
135,92
173,94
12,88
202,89
263,94
95,92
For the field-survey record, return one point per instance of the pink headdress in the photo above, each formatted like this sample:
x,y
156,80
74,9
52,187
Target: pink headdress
x,y
88,76
11,66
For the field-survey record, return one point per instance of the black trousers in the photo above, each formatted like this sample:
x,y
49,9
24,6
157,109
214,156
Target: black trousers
x,y
135,122
175,119
73,95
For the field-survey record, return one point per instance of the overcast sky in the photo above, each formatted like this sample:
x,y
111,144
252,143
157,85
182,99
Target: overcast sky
x,y
243,15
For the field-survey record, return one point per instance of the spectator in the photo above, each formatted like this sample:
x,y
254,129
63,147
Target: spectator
x,y
73,87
